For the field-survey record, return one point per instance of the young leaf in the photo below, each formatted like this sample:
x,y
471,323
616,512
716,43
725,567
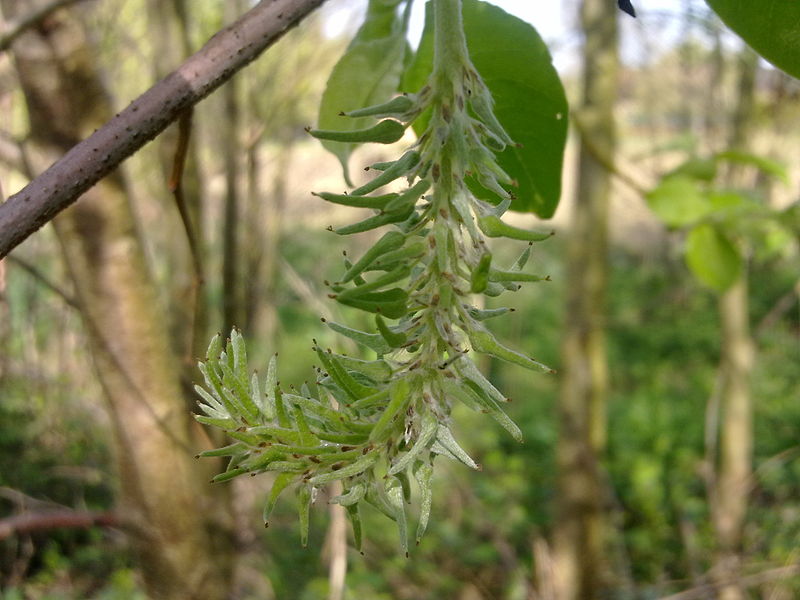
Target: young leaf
x,y
423,473
355,520
483,341
493,226
767,165
353,496
391,240
387,131
373,341
303,505
391,302
366,74
395,497
678,201
445,437
712,257
375,202
354,468
426,435
281,482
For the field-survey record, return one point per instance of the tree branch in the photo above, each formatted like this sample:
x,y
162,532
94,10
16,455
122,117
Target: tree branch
x,y
17,27
223,55
604,158
29,522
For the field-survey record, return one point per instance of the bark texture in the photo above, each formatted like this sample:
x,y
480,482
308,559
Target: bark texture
x,y
579,537
163,490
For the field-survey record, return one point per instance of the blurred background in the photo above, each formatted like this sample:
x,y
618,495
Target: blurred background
x,y
690,457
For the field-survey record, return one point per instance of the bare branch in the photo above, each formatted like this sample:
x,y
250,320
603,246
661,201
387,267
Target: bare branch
x,y
223,55
17,27
29,522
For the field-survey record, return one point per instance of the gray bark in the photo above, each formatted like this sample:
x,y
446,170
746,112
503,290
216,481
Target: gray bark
x,y
92,159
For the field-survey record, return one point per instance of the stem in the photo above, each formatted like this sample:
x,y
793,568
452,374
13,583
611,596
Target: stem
x,y
450,45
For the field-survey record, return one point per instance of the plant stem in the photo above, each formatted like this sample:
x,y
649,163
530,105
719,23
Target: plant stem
x,y
450,45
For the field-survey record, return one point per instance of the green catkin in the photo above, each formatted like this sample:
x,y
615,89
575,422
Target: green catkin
x,y
372,424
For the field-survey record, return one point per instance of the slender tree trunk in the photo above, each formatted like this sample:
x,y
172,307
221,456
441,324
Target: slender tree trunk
x,y
731,488
579,537
162,489
231,258
736,437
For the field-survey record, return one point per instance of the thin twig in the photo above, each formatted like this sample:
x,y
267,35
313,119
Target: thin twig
x,y
28,522
606,161
89,161
34,272
17,27
189,228
176,187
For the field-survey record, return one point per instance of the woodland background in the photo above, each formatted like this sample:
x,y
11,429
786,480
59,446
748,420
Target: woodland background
x,y
102,316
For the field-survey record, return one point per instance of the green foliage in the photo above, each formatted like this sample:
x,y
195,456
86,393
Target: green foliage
x,y
377,426
529,102
718,218
368,72
712,257
771,27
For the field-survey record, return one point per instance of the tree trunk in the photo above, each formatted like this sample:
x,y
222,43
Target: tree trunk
x,y
231,259
736,437
731,486
163,492
579,537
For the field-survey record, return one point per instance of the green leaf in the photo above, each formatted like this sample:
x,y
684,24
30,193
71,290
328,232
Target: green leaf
x,y
373,341
767,165
423,472
678,201
304,498
281,482
355,520
529,99
712,257
367,73
703,169
771,27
